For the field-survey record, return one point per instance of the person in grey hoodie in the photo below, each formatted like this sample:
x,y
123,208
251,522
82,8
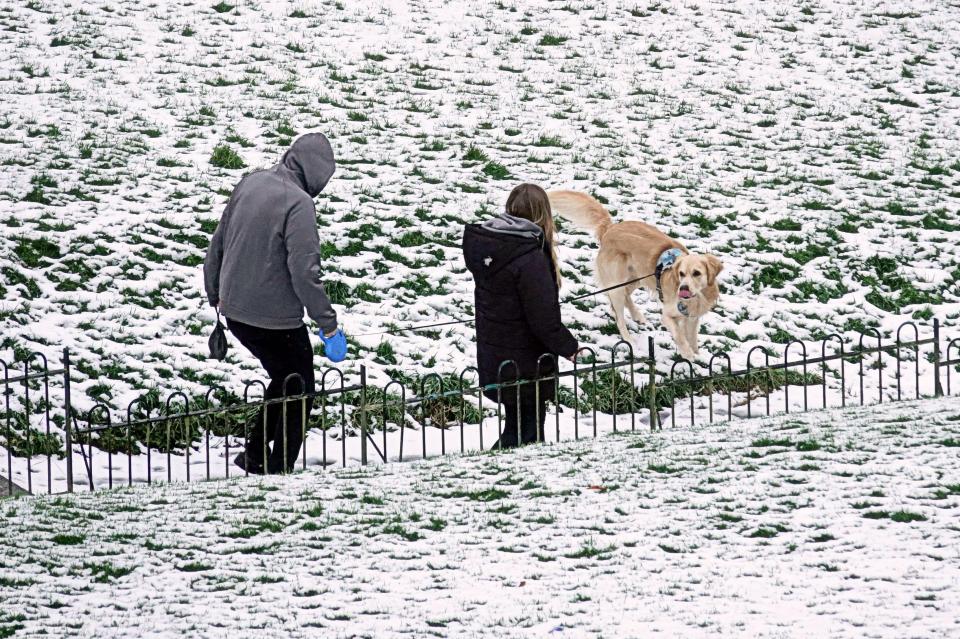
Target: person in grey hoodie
x,y
261,270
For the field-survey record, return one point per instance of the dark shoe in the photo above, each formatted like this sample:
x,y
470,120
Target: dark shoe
x,y
277,469
245,463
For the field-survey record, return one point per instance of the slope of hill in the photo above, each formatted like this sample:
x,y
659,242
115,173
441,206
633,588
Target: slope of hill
x,y
812,147
839,524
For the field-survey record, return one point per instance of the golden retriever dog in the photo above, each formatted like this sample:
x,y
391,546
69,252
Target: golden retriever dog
x,y
630,250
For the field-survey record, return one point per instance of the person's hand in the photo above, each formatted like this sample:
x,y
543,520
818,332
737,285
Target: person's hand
x,y
334,345
573,358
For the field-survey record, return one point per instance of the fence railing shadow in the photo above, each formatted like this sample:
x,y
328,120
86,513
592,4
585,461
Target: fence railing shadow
x,y
344,421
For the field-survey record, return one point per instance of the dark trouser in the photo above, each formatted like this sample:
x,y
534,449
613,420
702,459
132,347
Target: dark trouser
x,y
529,426
282,353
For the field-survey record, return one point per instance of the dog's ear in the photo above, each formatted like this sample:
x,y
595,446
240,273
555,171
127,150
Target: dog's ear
x,y
714,266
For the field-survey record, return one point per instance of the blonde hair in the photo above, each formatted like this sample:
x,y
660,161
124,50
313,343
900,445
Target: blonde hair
x,y
530,202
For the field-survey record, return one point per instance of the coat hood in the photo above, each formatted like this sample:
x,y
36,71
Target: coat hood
x,y
487,250
310,161
512,225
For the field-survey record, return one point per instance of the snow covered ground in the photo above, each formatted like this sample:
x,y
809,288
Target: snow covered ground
x,y
838,523
812,146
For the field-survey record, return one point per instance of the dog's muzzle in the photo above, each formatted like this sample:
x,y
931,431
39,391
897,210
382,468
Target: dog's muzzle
x,y
685,295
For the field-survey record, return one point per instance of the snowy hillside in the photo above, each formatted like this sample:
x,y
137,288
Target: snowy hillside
x,y
839,524
813,147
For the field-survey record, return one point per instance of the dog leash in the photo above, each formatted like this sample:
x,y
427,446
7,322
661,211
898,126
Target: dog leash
x,y
421,327
609,288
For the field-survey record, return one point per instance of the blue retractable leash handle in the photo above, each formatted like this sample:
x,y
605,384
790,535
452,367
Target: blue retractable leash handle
x,y
335,346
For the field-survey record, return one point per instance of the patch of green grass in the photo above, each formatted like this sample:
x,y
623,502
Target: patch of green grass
x,y
32,252
905,517
194,566
242,533
663,468
68,539
489,494
551,141
764,442
25,440
226,158
706,225
436,524
37,195
819,291
497,171
610,393
548,40
588,550
398,529
807,253
773,276
105,572
15,582
475,154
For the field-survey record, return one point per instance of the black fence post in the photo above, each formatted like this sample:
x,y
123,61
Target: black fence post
x,y
937,389
363,414
67,421
652,364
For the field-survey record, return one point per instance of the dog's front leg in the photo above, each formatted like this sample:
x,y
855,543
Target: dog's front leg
x,y
691,326
675,325
617,302
635,312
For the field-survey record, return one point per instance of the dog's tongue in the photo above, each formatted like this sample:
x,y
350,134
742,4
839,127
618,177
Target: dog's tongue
x,y
685,294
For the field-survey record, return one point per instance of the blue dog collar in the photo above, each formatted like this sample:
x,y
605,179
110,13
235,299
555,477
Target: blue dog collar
x,y
668,258
666,261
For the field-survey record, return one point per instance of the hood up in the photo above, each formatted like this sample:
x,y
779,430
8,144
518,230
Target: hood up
x,y
310,160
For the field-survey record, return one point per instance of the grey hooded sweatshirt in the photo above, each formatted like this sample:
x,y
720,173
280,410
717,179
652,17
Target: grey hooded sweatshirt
x,y
263,263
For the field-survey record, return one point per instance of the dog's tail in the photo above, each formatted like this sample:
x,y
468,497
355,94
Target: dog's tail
x,y
581,209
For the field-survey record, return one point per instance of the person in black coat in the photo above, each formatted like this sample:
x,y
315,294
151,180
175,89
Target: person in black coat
x,y
514,266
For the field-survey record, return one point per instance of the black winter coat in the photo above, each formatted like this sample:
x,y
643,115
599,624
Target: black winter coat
x,y
517,308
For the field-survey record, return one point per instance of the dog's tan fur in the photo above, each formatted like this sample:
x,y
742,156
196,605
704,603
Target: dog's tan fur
x,y
631,249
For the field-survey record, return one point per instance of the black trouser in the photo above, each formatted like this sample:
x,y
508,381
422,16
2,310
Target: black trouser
x,y
529,427
282,353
